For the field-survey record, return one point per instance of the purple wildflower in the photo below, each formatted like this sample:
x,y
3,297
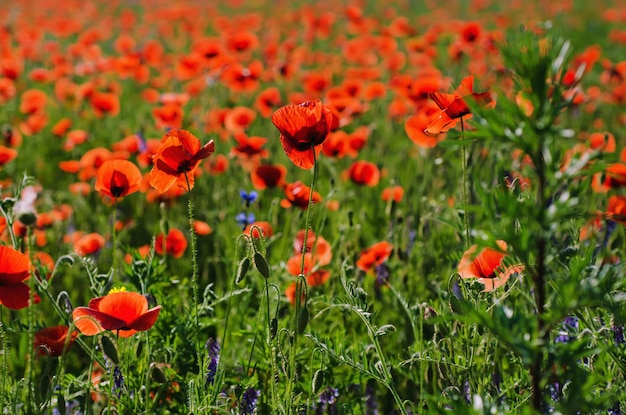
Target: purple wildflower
x,y
248,401
214,358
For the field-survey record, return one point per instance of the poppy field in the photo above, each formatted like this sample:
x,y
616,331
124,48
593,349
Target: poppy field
x,y
331,207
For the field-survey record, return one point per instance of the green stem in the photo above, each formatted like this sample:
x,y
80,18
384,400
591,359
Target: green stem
x,y
464,189
31,324
114,239
300,288
194,274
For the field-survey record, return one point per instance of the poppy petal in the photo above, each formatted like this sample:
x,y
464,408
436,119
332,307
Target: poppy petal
x,y
146,320
14,266
16,296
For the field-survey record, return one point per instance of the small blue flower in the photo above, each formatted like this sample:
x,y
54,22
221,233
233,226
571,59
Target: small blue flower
x,y
244,219
249,400
248,198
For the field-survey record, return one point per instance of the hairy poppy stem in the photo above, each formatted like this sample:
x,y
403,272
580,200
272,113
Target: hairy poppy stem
x,y
31,324
114,238
194,273
301,286
464,190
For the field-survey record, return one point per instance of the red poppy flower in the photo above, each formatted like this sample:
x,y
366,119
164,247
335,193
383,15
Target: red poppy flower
x,y
616,209
175,243
267,175
364,173
118,178
89,244
395,193
14,270
297,194
7,154
52,341
488,266
454,107
374,255
177,157
123,312
303,128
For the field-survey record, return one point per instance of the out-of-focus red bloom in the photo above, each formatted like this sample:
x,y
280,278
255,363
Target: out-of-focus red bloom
x,y
89,244
175,243
105,103
61,126
364,173
264,227
374,256
267,100
297,194
178,155
125,313
616,209
168,116
202,228
268,175
33,101
53,341
7,154
249,148
15,268
217,165
303,128
118,178
454,107
395,193
488,266
238,119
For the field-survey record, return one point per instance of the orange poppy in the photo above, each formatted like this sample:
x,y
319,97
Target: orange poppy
x,y
202,228
126,313
454,106
374,256
89,244
105,103
178,155
175,243
364,173
488,266
303,128
395,193
14,270
33,101
51,341
7,154
238,119
616,209
168,116
61,127
249,148
297,194
118,178
268,175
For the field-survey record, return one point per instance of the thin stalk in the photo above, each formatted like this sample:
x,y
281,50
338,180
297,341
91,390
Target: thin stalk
x,y
194,273
274,390
114,239
464,189
538,278
300,288
31,324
